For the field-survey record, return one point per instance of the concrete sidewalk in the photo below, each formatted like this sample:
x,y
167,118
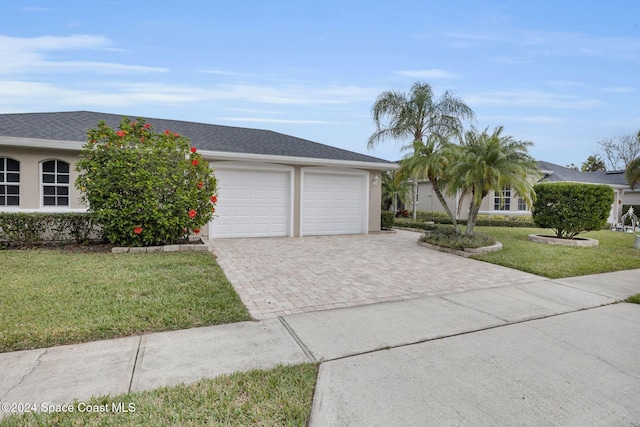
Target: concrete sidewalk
x,y
546,352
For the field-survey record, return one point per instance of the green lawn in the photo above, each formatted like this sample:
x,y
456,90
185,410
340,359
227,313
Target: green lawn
x,y
615,252
51,297
277,397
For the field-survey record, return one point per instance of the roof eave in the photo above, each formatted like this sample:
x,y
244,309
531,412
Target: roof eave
x,y
293,160
209,155
41,143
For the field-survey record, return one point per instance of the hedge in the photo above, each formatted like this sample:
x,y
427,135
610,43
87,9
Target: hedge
x,y
569,208
387,219
33,228
483,220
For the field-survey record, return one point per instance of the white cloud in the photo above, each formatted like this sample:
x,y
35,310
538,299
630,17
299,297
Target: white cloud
x,y
556,43
531,98
269,120
20,56
428,74
541,120
581,85
16,93
511,60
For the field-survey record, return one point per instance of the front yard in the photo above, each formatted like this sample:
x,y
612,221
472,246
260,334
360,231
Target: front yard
x,y
52,298
281,396
615,252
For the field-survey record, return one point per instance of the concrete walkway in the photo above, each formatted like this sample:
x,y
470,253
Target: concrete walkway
x,y
282,276
544,352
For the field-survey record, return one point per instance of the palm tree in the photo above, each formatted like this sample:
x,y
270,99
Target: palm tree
x,y
417,115
632,173
393,190
430,161
488,162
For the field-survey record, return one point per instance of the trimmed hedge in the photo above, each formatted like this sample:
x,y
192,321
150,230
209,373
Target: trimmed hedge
x,y
569,208
387,219
32,228
483,220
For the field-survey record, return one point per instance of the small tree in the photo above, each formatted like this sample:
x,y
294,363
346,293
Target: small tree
x,y
144,188
594,163
621,152
486,162
569,208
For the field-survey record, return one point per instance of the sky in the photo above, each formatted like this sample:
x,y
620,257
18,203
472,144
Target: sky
x,y
561,74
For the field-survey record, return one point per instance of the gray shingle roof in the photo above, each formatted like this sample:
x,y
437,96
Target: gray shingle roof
x,y
562,174
73,126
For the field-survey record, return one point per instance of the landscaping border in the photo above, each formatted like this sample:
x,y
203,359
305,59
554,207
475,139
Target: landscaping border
x,y
467,252
188,247
582,242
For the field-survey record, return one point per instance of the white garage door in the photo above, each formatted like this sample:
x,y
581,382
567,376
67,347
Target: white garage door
x,y
253,201
334,203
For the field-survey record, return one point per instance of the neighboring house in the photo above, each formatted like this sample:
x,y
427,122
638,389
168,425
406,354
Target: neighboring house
x,y
511,204
269,184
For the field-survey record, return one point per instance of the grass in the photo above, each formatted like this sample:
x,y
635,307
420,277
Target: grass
x,y
51,297
615,252
277,397
634,299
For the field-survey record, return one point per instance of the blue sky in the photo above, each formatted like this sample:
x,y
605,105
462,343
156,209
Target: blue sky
x,y
562,74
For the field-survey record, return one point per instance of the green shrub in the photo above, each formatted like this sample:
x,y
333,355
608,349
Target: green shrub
x,y
32,228
570,208
387,219
484,220
447,237
144,188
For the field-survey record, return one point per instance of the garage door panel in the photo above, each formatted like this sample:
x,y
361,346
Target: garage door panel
x,y
252,203
333,203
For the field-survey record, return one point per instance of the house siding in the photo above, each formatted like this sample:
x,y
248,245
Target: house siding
x,y
30,181
31,193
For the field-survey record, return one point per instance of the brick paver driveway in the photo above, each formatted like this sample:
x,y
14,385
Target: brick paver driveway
x,y
279,276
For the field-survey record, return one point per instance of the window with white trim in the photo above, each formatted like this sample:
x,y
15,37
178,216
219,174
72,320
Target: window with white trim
x,y
9,182
502,200
55,183
522,205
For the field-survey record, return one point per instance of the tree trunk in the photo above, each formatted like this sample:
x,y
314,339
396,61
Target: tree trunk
x,y
473,212
415,198
444,204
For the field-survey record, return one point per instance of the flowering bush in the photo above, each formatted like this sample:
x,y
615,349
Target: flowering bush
x,y
144,188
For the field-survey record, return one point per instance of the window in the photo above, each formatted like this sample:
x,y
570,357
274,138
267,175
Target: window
x,y
502,203
522,205
55,183
9,182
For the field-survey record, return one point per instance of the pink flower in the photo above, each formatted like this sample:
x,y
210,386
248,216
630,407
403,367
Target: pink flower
x,y
120,133
167,132
192,213
146,126
195,162
176,134
137,230
193,149
214,199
